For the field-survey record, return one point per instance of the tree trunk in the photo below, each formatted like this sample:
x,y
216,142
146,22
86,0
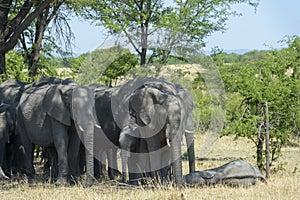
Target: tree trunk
x,y
267,142
3,67
143,56
260,138
40,27
165,56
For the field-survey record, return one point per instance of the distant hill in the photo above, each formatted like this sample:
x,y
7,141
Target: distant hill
x,y
237,51
229,51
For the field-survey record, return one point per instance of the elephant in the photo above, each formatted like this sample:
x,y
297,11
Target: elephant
x,y
234,173
106,138
11,91
10,94
157,117
57,115
113,112
184,95
7,128
188,122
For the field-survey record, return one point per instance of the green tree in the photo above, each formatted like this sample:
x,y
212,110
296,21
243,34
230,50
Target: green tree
x,y
272,78
104,65
39,37
15,66
119,67
15,17
176,25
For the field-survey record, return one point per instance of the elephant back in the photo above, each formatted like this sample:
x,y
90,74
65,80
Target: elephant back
x,y
30,105
11,91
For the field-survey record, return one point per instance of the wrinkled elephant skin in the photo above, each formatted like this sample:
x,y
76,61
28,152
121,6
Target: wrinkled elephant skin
x,y
234,173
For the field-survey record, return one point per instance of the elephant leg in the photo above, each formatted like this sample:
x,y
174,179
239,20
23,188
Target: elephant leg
x,y
165,164
2,158
134,172
53,162
9,159
81,158
29,169
155,158
73,152
60,137
110,171
191,150
16,156
124,155
97,169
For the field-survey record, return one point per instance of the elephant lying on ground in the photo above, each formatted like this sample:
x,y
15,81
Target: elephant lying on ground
x,y
234,173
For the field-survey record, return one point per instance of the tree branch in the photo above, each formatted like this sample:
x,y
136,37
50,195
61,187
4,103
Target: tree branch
x,y
13,38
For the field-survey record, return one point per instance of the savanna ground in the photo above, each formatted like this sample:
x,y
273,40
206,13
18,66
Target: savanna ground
x,y
284,184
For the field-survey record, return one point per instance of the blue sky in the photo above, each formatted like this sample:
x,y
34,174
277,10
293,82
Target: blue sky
x,y
273,20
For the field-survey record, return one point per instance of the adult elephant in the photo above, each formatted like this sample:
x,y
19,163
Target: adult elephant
x,y
185,97
106,139
158,119
51,115
7,128
114,114
10,94
11,91
160,115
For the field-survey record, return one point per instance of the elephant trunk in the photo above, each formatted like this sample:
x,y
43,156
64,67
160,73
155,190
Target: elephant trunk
x,y
189,136
177,161
89,146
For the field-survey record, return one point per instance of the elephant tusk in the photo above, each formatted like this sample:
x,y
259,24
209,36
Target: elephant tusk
x,y
98,126
168,142
80,128
188,131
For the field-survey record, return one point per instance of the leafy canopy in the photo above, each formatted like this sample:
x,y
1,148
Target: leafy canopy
x,y
157,24
272,77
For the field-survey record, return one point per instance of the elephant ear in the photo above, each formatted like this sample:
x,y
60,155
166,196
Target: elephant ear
x,y
55,106
144,102
142,106
83,106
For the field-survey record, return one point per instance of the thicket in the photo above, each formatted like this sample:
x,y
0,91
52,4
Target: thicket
x,y
266,77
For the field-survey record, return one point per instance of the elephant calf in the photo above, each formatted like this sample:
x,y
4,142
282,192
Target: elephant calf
x,y
234,173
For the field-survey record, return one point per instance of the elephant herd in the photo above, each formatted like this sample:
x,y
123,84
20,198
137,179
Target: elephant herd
x,y
145,119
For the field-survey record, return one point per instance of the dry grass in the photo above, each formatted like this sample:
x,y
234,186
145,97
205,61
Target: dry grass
x,y
284,184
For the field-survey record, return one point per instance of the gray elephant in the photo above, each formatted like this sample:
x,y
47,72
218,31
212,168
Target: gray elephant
x,y
51,115
106,139
10,94
7,129
234,173
114,104
159,118
11,91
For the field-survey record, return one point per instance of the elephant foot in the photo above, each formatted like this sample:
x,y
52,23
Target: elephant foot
x,y
89,183
2,175
116,172
73,180
62,181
